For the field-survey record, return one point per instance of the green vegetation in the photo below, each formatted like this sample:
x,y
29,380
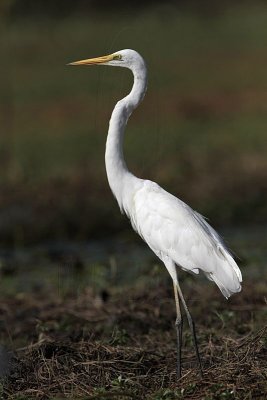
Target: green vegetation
x,y
200,132
75,326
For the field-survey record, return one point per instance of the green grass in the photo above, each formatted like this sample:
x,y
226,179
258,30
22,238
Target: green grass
x,y
190,58
200,132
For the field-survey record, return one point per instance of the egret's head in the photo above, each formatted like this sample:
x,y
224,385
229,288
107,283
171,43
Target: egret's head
x,y
123,58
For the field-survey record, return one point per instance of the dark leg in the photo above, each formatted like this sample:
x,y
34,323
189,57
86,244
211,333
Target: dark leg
x,y
191,326
179,330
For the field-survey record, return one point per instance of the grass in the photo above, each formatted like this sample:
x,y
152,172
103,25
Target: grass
x,y
200,133
204,115
93,330
124,347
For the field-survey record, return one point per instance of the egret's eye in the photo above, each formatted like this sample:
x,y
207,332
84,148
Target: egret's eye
x,y
117,57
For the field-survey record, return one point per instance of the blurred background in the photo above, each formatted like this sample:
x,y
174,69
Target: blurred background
x,y
200,132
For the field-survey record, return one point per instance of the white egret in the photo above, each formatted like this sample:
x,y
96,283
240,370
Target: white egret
x,y
178,235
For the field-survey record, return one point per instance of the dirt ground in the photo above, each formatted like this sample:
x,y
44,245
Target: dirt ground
x,y
121,344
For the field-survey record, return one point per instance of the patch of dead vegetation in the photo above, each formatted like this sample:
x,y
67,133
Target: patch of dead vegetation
x,y
83,347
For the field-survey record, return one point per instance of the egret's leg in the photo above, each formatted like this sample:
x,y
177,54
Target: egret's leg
x,y
179,330
191,326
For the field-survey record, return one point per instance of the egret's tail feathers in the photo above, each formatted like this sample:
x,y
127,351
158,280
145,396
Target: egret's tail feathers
x,y
227,275
224,289
232,262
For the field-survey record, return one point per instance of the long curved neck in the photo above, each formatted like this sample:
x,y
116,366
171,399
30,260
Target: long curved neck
x,y
117,171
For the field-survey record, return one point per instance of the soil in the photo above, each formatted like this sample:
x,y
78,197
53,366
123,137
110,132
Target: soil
x,y
120,344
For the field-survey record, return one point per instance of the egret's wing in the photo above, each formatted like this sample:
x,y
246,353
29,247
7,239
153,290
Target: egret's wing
x,y
171,228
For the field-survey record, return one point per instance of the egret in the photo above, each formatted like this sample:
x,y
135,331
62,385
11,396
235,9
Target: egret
x,y
177,234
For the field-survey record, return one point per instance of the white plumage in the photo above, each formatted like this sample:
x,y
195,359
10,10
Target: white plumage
x,y
178,235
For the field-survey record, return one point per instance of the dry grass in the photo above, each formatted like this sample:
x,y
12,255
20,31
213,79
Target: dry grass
x,y
124,347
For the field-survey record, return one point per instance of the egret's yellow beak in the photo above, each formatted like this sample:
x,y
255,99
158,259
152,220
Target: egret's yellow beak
x,y
93,61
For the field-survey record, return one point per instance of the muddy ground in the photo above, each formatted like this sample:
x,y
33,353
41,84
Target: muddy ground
x,y
120,344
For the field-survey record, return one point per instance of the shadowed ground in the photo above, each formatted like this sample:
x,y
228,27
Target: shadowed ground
x,y
121,344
